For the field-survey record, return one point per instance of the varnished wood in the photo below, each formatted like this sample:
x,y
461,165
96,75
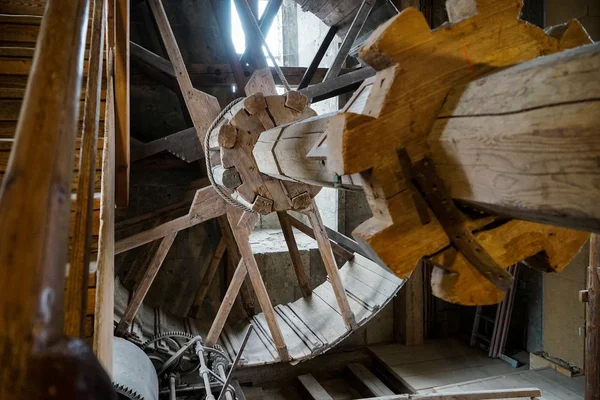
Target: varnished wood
x,y
79,265
141,289
292,246
330,265
35,207
122,101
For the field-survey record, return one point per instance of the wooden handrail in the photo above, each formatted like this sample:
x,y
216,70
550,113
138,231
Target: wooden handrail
x,y
34,218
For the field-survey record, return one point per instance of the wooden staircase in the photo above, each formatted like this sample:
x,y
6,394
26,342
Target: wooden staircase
x,y
18,34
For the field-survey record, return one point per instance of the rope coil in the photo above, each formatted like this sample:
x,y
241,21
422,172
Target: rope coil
x,y
226,196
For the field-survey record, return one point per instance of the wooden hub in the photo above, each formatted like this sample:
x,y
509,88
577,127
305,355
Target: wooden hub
x,y
234,167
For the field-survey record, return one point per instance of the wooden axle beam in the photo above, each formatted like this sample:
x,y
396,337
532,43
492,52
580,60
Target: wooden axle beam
x,y
519,142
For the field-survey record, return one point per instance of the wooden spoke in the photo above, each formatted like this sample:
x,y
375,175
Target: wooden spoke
x,y
234,258
202,107
227,304
308,231
290,240
207,204
330,265
241,234
209,276
122,100
141,289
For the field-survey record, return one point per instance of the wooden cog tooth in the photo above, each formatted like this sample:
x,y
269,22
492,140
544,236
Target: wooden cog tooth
x,y
296,101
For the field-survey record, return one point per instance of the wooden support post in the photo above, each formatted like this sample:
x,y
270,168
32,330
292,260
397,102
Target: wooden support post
x,y
241,237
208,277
79,266
105,274
290,240
331,266
592,323
141,289
408,310
122,105
202,107
227,304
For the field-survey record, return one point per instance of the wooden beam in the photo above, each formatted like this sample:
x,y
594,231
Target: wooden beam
x,y
122,101
369,384
141,289
227,304
345,83
494,394
222,13
208,276
202,107
212,74
540,185
357,23
290,240
308,231
331,266
313,388
79,266
207,204
233,258
183,144
266,20
34,216
105,274
314,64
592,323
254,43
241,235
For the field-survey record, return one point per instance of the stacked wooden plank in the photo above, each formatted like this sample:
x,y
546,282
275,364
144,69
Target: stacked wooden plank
x,y
19,27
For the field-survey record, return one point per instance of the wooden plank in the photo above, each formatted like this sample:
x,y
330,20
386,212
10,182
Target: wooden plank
x,y
202,107
122,102
290,240
308,336
209,275
207,204
227,304
141,289
360,310
75,298
313,388
330,265
371,386
321,318
241,237
104,312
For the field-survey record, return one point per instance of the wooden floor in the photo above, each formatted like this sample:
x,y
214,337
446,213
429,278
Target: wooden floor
x,y
553,385
450,365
